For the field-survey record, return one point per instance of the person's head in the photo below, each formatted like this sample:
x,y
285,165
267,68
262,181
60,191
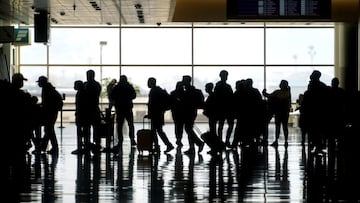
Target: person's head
x,y
240,84
179,85
284,85
209,87
90,75
335,82
186,80
123,79
249,82
113,81
78,85
223,75
151,82
18,80
42,81
315,75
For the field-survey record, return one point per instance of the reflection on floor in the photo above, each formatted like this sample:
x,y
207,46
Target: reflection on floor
x,y
261,174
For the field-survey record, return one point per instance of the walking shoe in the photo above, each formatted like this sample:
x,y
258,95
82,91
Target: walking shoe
x,y
201,147
169,148
189,152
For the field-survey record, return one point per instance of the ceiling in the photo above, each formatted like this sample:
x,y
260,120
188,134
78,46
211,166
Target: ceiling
x,y
89,12
135,12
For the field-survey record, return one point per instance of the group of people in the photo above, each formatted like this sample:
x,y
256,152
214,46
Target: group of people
x,y
245,105
246,110
21,119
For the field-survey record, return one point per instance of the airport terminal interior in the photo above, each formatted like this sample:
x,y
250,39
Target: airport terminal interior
x,y
263,40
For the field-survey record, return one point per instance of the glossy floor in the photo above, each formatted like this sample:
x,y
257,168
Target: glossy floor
x,y
260,174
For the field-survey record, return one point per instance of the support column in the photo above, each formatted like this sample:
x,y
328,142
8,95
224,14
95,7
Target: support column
x,y
347,55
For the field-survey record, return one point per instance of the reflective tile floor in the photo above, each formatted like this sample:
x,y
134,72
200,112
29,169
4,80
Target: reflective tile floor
x,y
260,174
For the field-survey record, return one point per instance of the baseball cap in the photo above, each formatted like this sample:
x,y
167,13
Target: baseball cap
x,y
18,77
42,79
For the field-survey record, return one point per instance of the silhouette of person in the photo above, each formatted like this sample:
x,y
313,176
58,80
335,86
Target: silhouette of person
x,y
338,102
36,123
280,103
177,110
80,117
301,118
27,111
50,98
193,100
224,99
109,89
123,95
315,110
156,114
248,111
210,107
92,90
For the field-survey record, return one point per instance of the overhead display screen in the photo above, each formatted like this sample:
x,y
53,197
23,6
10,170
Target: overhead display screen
x,y
279,9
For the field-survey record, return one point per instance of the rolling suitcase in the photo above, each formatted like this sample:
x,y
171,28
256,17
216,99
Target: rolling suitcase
x,y
211,140
144,139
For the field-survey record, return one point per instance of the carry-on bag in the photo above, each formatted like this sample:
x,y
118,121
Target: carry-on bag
x,y
211,140
144,139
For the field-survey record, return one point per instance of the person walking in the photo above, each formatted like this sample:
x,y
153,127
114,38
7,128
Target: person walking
x,y
156,114
51,103
193,100
224,101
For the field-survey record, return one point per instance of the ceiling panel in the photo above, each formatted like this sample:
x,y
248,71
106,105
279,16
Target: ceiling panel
x,y
89,12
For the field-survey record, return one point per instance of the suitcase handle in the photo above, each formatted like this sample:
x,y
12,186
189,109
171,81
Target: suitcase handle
x,y
146,117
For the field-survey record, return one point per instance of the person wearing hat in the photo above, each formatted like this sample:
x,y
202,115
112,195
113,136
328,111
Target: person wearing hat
x,y
17,80
22,113
51,103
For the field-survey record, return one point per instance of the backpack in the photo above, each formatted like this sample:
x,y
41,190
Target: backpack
x,y
165,100
58,100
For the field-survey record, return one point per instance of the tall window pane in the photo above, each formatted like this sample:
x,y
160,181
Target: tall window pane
x,y
84,46
32,73
34,53
156,46
300,46
298,77
166,77
228,46
204,75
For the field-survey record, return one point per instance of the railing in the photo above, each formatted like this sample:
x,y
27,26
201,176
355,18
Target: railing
x,y
67,115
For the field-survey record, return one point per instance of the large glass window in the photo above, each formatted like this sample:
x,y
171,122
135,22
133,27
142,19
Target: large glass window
x,y
266,54
36,53
156,46
300,46
84,46
204,75
298,77
228,46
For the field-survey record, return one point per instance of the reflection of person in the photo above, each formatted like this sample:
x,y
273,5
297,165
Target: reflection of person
x,y
109,89
280,103
156,114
